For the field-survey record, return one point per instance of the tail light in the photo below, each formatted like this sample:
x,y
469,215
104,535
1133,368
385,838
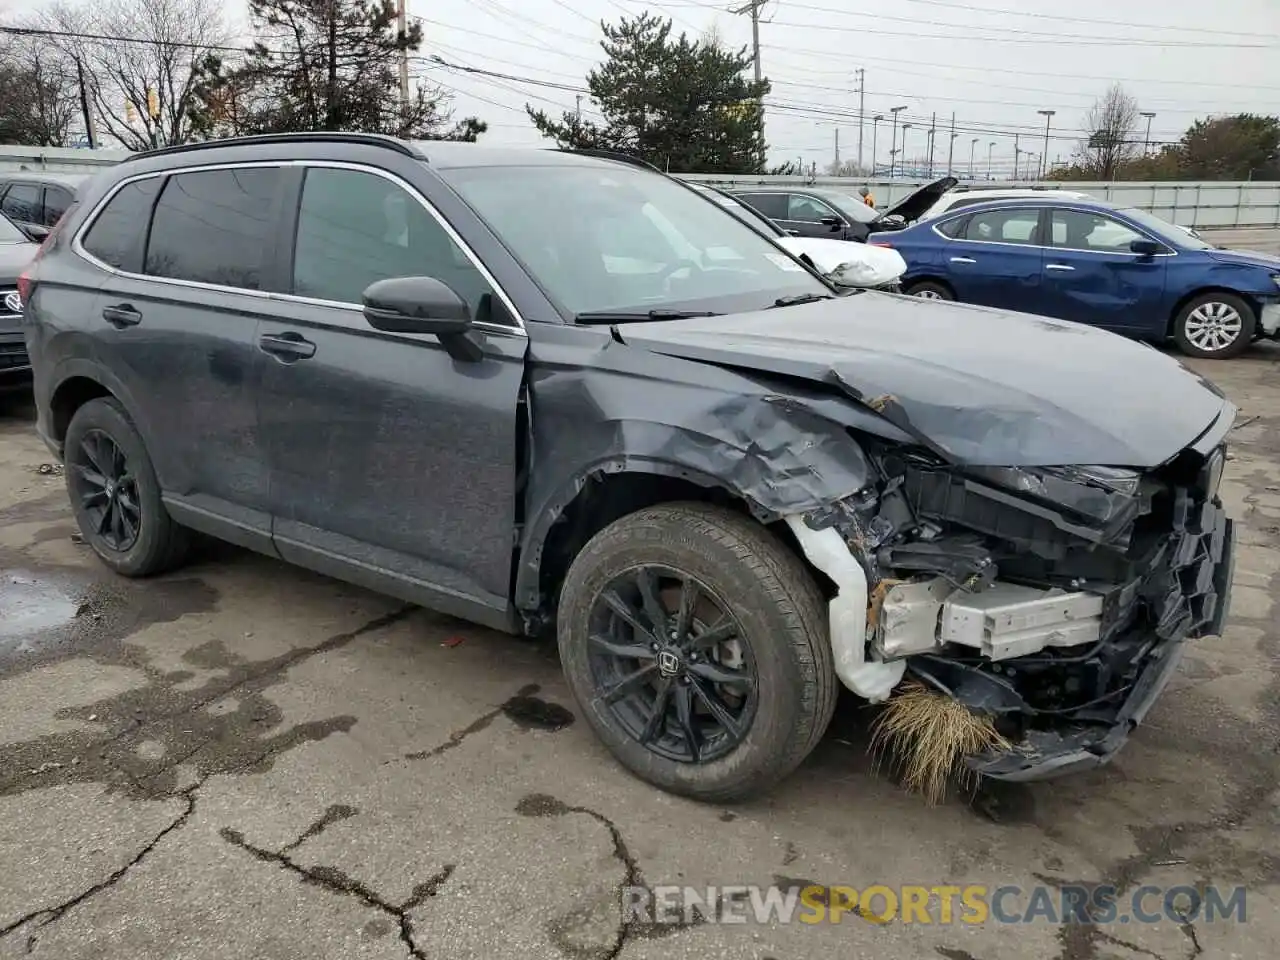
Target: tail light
x,y
881,243
26,282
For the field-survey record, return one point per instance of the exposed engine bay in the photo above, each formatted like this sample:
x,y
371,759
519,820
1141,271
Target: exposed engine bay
x,y
1053,600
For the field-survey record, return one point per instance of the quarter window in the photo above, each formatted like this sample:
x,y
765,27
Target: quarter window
x,y
56,202
1004,226
1081,230
119,232
953,228
355,228
214,226
22,202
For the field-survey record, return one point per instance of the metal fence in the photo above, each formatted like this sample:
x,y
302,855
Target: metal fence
x,y
1194,204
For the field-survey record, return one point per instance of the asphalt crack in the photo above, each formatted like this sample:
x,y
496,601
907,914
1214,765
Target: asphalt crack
x,y
481,722
335,813
629,927
335,881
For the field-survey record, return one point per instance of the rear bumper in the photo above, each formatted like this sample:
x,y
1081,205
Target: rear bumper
x,y
1047,754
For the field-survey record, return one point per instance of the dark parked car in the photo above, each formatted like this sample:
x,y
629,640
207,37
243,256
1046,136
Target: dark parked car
x,y
836,215
1094,262
728,489
16,252
36,201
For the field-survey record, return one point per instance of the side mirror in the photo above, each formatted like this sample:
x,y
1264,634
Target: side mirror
x,y
1144,248
36,232
831,222
423,305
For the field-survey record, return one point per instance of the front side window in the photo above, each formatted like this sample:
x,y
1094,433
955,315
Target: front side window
x,y
22,203
1004,226
1082,230
621,239
213,226
119,232
808,210
56,202
355,228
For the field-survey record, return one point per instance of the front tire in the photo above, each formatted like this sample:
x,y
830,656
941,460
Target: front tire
x,y
696,645
115,494
1215,326
930,290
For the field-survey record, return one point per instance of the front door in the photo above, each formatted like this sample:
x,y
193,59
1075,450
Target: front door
x,y
996,259
392,464
1091,275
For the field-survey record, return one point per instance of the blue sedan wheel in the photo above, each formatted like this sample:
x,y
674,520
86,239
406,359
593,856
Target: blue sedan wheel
x,y
1217,325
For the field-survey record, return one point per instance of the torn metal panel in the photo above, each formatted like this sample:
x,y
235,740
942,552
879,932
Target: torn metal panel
x,y
980,385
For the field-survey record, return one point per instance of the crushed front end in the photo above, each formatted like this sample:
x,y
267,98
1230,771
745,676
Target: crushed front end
x,y
1056,601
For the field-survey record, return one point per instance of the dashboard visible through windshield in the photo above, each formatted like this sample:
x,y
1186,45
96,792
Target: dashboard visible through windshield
x,y
626,240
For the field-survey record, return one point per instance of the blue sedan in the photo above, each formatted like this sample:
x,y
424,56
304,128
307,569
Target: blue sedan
x,y
1096,263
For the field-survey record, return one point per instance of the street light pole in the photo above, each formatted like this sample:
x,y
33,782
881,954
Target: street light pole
x,y
894,152
990,146
1048,117
905,128
972,146
875,128
1146,143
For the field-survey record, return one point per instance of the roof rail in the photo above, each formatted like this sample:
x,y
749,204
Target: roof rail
x,y
611,155
265,139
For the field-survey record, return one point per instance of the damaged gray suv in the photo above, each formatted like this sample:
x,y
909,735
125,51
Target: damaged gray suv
x,y
535,389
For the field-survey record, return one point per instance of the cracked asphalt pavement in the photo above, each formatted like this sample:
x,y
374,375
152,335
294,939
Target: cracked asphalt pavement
x,y
247,760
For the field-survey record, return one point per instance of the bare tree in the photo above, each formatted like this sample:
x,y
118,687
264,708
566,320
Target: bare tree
x,y
1112,123
139,59
39,93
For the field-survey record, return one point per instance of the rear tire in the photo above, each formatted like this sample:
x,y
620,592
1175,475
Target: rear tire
x,y
115,494
1215,326
929,290
773,675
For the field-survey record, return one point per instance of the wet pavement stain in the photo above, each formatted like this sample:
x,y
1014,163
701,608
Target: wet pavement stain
x,y
534,713
31,607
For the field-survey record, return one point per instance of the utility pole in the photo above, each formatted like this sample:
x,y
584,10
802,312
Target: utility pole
x,y
1017,149
753,7
836,168
973,144
951,151
875,128
893,152
402,23
862,104
1048,116
89,133
990,146
933,128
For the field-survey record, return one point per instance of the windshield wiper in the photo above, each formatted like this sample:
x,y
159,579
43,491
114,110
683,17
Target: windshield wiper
x,y
801,298
634,316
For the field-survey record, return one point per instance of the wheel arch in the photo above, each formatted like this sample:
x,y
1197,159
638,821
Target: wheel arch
x,y
914,282
606,492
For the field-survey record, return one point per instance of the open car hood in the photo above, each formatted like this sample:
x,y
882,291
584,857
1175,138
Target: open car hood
x,y
848,264
911,207
978,385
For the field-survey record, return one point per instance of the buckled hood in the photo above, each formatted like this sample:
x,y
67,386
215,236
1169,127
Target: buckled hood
x,y
914,205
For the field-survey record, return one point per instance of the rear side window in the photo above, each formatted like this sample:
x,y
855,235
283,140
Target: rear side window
x,y
56,202
22,202
953,228
214,226
119,233
772,205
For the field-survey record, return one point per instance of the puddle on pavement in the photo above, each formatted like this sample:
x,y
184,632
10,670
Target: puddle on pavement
x,y
534,713
30,606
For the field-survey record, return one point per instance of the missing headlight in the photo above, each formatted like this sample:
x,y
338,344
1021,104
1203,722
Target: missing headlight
x,y
1101,494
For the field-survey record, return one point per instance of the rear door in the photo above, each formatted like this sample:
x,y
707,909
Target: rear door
x,y
188,259
392,464
996,259
1091,275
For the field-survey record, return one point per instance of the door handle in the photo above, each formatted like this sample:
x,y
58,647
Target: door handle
x,y
963,260
122,315
287,347
1058,266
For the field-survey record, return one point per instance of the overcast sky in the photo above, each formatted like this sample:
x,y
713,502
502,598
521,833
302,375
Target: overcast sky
x,y
993,67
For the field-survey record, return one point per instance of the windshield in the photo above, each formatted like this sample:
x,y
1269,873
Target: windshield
x,y
624,239
9,233
852,207
1165,230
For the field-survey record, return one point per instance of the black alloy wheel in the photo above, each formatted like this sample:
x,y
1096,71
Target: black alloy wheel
x,y
106,490
672,664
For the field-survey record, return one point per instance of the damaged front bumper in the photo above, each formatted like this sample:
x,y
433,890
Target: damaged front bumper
x,y
1063,628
